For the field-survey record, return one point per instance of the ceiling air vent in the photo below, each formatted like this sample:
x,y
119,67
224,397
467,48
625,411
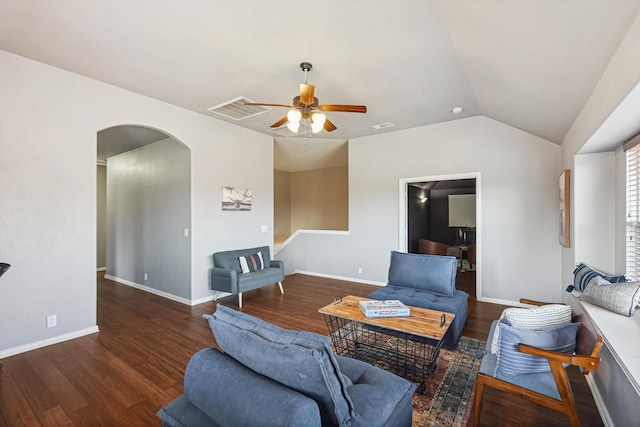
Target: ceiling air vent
x,y
383,126
236,110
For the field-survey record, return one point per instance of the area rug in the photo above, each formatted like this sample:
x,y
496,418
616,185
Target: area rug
x,y
449,391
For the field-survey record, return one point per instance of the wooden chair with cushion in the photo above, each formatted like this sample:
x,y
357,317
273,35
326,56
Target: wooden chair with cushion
x,y
429,247
550,389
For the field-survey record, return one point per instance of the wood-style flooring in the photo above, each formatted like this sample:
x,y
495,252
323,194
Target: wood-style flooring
x,y
122,375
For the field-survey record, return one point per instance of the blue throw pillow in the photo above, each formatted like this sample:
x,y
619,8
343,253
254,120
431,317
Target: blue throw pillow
x,y
584,274
511,361
302,361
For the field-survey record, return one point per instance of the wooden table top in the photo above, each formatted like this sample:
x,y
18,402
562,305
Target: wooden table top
x,y
422,321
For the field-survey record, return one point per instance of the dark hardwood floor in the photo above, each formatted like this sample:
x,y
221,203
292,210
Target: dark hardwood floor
x,y
122,375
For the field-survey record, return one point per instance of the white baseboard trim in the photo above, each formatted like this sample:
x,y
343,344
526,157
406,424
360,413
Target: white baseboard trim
x,y
597,397
101,269
502,302
331,276
159,293
148,289
202,300
49,341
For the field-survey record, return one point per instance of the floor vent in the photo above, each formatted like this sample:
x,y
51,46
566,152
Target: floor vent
x,y
236,110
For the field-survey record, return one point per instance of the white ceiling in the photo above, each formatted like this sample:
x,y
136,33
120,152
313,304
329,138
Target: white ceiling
x,y
530,64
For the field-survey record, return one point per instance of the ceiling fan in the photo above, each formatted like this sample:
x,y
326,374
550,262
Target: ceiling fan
x,y
306,107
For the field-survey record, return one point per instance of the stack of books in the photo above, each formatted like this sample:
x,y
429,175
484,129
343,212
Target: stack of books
x,y
388,308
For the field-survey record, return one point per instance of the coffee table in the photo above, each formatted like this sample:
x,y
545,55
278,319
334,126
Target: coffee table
x,y
407,346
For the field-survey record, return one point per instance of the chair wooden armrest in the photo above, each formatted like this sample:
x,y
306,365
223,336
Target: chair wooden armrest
x,y
534,302
583,361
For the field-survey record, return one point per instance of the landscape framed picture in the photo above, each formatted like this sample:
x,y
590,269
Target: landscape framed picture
x,y
564,185
236,199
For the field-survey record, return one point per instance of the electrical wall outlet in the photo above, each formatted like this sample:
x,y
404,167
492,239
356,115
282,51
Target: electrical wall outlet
x,y
52,321
359,270
145,276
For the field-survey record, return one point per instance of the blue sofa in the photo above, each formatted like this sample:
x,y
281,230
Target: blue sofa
x,y
427,281
227,275
269,376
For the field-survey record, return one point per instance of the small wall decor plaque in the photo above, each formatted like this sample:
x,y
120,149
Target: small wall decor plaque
x,y
236,199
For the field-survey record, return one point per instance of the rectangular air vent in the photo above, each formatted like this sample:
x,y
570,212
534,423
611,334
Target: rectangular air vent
x,y
236,110
383,126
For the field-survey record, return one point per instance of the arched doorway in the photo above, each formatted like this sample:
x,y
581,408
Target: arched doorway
x,y
146,217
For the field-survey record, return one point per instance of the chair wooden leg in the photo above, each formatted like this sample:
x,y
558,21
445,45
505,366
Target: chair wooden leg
x,y
281,290
240,300
477,402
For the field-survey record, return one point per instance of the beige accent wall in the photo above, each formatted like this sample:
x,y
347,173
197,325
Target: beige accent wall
x,y
281,206
311,200
320,199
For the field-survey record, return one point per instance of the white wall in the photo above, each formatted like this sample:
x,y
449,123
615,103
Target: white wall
x,y
50,119
148,208
619,78
594,204
519,208
101,216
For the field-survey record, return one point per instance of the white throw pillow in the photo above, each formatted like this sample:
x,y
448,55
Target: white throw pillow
x,y
536,319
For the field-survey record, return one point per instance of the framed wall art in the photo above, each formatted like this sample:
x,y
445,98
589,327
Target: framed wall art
x,y
236,199
565,214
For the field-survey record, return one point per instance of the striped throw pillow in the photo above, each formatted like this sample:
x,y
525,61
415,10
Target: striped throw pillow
x,y
253,262
583,275
536,318
621,298
511,361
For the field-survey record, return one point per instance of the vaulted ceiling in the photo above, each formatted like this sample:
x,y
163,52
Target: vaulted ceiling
x,y
528,63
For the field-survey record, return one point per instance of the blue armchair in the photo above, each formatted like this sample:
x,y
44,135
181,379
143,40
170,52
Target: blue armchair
x,y
269,376
427,281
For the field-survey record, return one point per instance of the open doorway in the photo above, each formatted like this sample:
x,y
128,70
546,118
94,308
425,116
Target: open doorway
x,y
440,215
144,207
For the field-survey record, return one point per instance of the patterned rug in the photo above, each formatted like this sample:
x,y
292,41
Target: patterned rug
x,y
449,391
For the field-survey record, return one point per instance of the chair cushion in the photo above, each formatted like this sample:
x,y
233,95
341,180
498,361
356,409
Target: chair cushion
x,y
302,361
534,318
431,273
542,382
621,298
511,361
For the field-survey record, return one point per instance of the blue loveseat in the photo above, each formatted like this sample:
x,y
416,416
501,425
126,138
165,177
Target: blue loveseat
x,y
269,376
427,281
227,275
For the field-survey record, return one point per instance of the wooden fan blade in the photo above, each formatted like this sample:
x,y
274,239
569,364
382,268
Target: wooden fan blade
x,y
280,122
344,108
269,105
306,93
328,126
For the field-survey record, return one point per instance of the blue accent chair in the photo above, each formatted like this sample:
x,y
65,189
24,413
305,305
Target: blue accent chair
x,y
269,376
427,281
552,388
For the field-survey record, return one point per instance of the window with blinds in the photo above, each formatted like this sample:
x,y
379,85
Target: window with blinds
x,y
632,148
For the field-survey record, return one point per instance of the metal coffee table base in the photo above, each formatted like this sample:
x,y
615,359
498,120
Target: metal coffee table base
x,y
410,356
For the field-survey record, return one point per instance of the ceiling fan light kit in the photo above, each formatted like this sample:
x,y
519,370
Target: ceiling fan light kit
x,y
306,107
